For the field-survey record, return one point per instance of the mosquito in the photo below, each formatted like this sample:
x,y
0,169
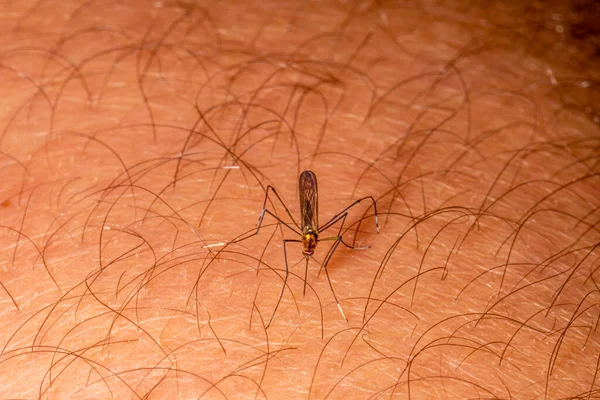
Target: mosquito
x,y
309,229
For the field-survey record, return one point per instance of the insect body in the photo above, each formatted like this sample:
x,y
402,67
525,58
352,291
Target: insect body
x,y
309,228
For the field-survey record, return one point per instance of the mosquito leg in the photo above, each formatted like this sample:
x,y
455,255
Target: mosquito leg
x,y
338,240
327,258
346,244
260,260
287,272
264,209
338,216
260,221
339,236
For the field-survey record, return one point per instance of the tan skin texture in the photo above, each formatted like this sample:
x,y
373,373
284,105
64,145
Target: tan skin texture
x,y
137,140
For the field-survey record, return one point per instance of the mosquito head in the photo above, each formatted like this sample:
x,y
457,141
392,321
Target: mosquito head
x,y
309,242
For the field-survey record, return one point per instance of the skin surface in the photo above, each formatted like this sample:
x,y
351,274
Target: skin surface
x,y
137,140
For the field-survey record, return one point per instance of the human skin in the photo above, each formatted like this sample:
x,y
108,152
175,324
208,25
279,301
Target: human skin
x,y
137,142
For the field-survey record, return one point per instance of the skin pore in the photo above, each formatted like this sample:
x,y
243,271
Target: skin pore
x,y
137,140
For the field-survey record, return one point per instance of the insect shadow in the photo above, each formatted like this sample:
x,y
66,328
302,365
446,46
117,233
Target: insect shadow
x,y
309,229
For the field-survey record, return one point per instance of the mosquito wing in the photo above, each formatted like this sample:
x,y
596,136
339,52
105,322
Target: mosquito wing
x,y
309,205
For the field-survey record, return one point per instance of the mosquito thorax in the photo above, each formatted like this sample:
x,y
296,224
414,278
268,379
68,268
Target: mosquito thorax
x,y
309,242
